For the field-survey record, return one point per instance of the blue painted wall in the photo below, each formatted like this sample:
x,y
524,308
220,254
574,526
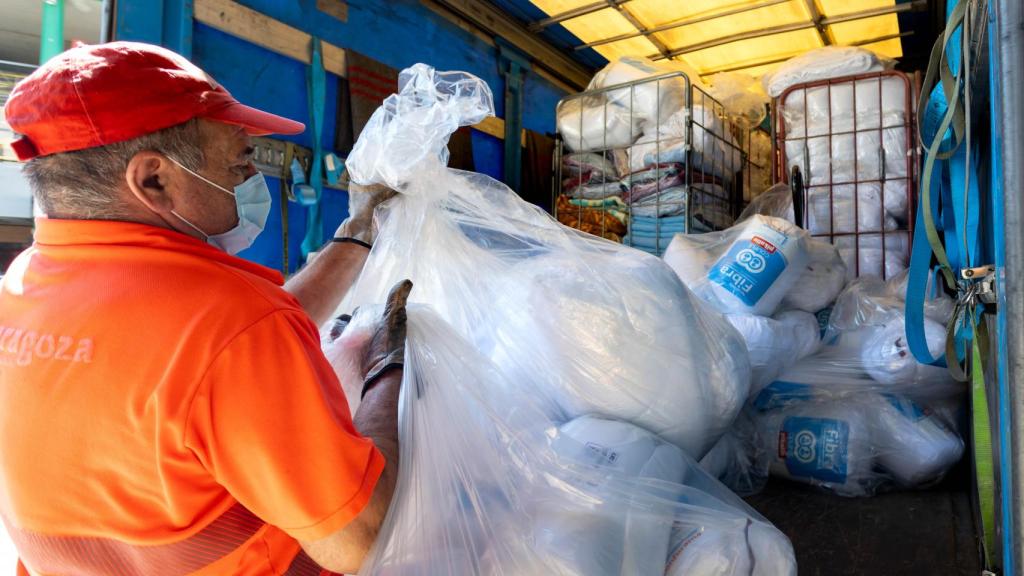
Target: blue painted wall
x,y
397,33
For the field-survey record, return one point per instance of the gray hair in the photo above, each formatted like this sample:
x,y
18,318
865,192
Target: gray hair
x,y
86,184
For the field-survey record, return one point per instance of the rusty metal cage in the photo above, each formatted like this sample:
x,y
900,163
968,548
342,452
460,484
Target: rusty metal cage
x,y
851,142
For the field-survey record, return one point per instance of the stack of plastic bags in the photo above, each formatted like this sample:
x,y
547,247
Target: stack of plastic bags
x,y
557,388
838,400
852,142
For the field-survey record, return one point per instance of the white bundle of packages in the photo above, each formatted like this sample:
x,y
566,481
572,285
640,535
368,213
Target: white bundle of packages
x,y
489,484
591,326
774,343
820,64
715,151
864,254
588,123
652,102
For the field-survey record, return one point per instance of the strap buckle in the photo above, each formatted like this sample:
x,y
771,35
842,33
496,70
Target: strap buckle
x,y
978,285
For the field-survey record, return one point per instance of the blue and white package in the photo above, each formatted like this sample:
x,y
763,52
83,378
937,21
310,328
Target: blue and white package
x,y
823,444
760,267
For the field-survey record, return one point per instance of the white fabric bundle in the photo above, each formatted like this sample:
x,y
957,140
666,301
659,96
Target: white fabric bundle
x,y
690,260
822,280
819,64
600,540
715,150
821,443
886,352
846,102
864,256
652,102
866,215
746,548
592,124
648,374
913,443
775,343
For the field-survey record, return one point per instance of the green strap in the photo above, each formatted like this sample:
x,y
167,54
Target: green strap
x,y
984,470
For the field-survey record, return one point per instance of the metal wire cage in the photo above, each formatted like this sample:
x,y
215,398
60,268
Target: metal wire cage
x,y
640,161
851,142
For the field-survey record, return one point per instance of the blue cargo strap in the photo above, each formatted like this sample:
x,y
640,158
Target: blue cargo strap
x,y
316,84
950,203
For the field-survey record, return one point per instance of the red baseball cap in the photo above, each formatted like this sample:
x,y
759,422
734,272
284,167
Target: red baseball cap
x,y
93,95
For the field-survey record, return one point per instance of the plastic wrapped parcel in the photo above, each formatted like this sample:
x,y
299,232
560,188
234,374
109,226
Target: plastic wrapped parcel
x,y
554,383
590,326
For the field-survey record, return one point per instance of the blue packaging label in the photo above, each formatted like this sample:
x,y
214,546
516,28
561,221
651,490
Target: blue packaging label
x,y
750,267
780,394
908,408
815,448
823,317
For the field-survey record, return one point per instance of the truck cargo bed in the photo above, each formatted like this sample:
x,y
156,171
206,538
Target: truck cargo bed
x,y
926,533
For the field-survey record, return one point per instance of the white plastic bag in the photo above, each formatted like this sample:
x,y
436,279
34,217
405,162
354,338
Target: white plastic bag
x,y
819,64
591,326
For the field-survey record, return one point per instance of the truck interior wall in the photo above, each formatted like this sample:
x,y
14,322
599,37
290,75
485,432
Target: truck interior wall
x,y
397,33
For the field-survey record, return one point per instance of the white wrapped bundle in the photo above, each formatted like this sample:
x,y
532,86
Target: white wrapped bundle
x,y
746,269
864,256
747,547
594,124
776,343
843,104
760,266
820,64
651,102
913,442
832,210
715,151
886,352
822,280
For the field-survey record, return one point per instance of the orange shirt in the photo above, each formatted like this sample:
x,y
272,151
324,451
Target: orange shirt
x,y
165,409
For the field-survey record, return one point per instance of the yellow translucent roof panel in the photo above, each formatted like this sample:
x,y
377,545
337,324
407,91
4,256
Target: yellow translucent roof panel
x,y
859,30
609,23
769,17
754,50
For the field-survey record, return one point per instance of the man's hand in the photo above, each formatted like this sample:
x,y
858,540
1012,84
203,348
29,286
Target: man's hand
x,y
385,348
362,201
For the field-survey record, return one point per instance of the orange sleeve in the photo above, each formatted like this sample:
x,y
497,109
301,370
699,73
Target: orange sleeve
x,y
271,423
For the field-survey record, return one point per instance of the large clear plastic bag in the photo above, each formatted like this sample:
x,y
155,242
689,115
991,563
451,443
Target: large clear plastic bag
x,y
590,326
489,484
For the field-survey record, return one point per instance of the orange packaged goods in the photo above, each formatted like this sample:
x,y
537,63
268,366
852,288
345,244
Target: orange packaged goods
x,y
596,221
165,409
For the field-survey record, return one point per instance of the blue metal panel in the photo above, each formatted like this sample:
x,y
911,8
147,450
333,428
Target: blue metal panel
x,y
164,22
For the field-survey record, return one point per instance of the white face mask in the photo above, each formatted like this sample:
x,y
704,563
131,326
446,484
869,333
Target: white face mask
x,y
252,201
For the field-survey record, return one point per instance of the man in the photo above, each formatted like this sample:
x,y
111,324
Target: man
x,y
164,406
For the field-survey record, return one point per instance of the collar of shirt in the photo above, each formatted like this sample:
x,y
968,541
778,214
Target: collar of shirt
x,y
51,232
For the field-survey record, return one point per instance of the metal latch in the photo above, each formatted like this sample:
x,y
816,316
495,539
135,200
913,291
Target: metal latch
x,y
980,284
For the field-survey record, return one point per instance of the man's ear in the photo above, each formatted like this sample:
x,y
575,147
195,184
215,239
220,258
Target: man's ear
x,y
153,180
